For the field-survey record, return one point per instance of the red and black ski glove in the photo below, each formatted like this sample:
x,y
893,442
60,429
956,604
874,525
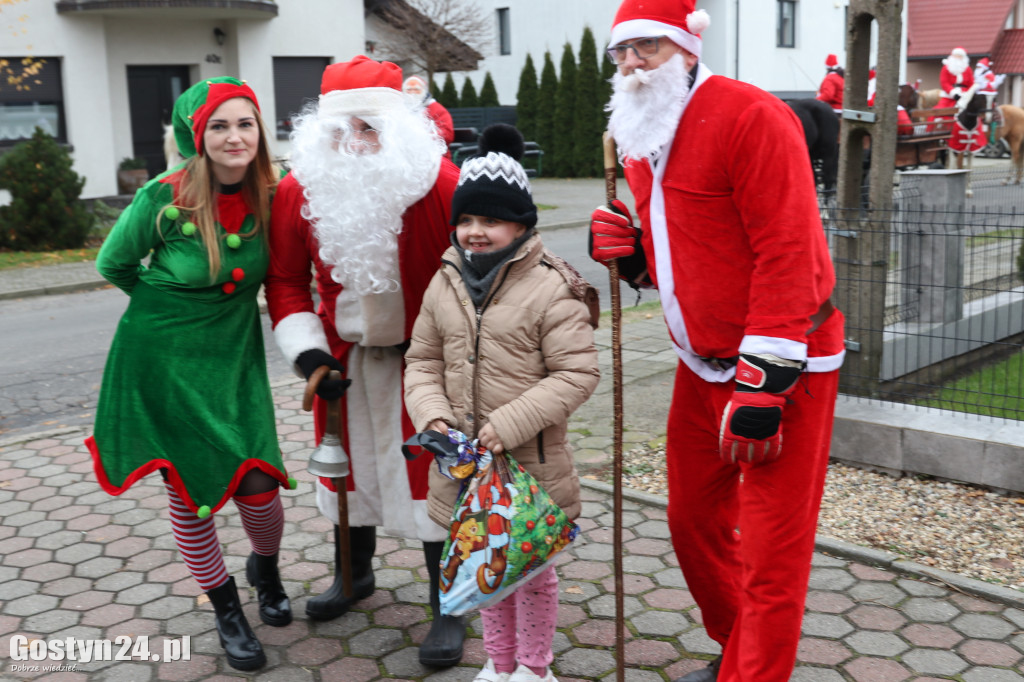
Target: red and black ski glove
x,y
751,429
612,233
328,389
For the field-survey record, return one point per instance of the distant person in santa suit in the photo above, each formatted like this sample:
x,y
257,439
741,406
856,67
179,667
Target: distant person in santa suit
x,y
986,78
831,89
955,78
420,97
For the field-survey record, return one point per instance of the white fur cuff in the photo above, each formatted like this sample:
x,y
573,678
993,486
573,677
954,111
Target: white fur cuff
x,y
360,102
299,332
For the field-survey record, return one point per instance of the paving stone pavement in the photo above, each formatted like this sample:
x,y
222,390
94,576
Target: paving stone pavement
x,y
79,563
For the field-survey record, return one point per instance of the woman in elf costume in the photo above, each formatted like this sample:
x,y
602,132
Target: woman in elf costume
x,y
185,389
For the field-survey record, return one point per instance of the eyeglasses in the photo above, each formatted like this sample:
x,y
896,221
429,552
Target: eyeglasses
x,y
644,48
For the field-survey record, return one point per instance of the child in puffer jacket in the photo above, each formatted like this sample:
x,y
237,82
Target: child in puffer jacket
x,y
503,350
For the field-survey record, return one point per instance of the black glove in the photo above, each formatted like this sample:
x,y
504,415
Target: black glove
x,y
329,389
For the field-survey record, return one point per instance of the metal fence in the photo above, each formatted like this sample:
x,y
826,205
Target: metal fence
x,y
933,294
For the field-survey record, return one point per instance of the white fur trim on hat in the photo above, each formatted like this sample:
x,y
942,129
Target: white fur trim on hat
x,y
959,52
361,102
648,28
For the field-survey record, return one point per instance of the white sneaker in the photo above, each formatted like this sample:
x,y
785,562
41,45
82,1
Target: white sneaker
x,y
524,674
489,674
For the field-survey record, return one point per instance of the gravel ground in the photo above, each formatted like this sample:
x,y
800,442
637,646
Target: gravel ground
x,y
967,530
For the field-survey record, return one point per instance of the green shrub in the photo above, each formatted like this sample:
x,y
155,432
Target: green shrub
x,y
449,97
488,92
128,163
468,96
45,213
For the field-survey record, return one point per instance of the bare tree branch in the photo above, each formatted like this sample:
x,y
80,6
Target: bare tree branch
x,y
435,35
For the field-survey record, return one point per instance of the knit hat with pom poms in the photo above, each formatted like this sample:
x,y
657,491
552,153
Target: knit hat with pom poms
x,y
494,184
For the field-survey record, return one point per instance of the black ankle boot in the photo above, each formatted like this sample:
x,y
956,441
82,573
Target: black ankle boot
x,y
241,647
261,572
443,645
333,603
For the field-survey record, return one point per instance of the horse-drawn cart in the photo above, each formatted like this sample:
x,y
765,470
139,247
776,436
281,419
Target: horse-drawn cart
x,y
930,136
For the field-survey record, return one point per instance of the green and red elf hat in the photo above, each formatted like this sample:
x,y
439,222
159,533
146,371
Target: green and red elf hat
x,y
193,109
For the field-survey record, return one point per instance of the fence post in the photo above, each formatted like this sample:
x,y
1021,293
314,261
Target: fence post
x,y
862,242
932,253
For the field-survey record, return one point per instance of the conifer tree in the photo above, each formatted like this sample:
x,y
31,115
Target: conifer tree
x,y
449,96
565,115
468,96
608,69
526,101
546,94
586,144
434,90
488,92
45,213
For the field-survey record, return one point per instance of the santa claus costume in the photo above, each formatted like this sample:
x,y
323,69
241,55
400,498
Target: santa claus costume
x,y
744,284
366,204
423,100
955,78
831,89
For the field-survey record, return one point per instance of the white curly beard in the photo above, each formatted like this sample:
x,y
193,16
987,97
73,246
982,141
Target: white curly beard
x,y
956,65
355,202
646,107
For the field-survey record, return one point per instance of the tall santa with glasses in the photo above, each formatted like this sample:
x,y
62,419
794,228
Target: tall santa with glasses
x,y
728,231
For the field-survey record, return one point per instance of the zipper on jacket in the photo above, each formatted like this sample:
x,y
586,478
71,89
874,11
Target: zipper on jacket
x,y
476,346
540,446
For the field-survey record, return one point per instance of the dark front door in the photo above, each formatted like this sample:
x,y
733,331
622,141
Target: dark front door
x,y
151,94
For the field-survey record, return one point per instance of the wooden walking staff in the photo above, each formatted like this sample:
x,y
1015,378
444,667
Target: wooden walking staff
x,y
330,461
610,170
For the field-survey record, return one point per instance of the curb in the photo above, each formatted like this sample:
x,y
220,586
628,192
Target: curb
x,y
863,555
74,287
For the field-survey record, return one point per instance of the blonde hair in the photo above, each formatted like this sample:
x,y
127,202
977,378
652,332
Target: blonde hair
x,y
196,197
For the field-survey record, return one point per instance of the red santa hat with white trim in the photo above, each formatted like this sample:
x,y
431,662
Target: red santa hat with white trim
x,y
677,20
831,61
361,87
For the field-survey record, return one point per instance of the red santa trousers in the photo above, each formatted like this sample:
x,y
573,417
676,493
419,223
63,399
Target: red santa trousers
x,y
750,584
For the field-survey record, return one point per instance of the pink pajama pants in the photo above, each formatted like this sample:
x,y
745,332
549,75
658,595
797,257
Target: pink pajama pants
x,y
745,546
522,626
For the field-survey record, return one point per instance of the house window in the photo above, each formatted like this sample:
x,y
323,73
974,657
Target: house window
x,y
296,81
787,23
504,32
31,95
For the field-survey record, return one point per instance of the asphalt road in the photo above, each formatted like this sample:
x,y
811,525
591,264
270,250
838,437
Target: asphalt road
x,y
53,348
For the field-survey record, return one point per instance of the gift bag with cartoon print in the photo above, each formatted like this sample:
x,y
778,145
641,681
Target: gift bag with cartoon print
x,y
505,528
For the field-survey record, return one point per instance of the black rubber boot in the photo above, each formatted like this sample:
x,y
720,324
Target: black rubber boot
x,y
332,603
261,572
241,647
708,674
443,645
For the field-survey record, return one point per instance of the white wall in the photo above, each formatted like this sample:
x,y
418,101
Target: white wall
x,y
539,25
96,49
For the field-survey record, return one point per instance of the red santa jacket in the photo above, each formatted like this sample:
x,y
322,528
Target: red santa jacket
x,y
443,120
949,82
293,247
831,90
743,246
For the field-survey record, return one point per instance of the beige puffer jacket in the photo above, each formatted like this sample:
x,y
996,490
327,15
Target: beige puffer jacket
x,y
524,363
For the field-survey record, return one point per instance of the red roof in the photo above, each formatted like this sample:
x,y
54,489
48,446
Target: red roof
x,y
1009,53
935,27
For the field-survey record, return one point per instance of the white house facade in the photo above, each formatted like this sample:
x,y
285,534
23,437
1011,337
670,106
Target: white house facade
x,y
778,45
111,69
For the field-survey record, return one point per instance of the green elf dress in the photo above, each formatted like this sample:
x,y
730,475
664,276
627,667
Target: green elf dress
x,y
185,387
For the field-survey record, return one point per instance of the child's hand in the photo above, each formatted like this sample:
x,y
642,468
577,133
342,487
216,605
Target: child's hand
x,y
439,426
489,439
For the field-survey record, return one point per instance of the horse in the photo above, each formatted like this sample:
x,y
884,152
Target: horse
x,y
1011,132
1009,129
927,99
821,131
908,97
